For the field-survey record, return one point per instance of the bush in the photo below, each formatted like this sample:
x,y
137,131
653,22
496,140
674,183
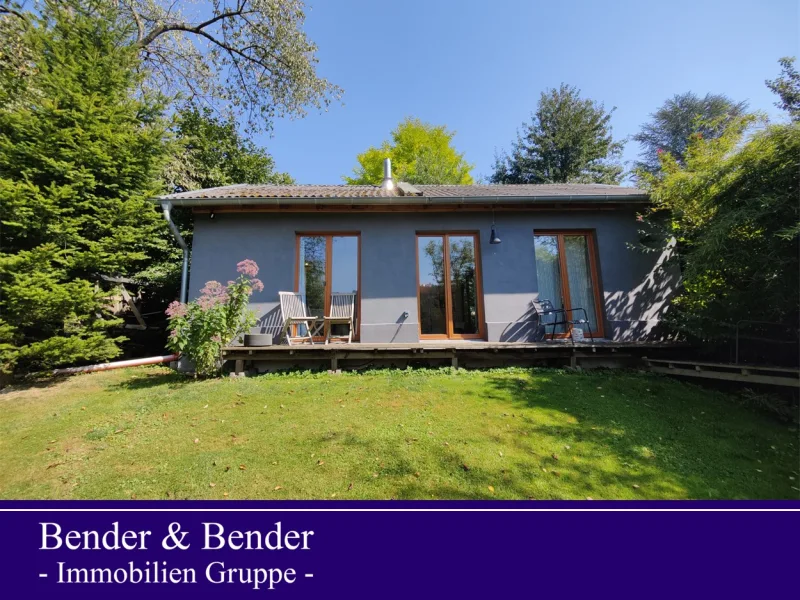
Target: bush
x,y
200,329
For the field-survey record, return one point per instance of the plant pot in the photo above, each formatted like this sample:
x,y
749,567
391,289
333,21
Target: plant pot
x,y
258,339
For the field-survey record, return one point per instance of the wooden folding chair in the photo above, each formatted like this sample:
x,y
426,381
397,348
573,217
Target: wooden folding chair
x,y
342,309
295,314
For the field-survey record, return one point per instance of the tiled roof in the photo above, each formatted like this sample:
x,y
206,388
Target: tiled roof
x,y
528,191
247,191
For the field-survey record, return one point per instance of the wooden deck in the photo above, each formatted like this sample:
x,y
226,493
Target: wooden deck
x,y
456,352
760,374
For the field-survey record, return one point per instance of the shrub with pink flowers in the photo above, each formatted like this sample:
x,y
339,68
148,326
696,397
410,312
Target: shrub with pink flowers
x,y
200,329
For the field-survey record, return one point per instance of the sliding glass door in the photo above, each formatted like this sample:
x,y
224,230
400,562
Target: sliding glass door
x,y
328,264
448,286
567,276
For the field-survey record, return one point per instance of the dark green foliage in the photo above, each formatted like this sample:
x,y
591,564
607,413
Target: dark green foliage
x,y
568,140
207,152
680,117
787,87
81,148
735,215
211,152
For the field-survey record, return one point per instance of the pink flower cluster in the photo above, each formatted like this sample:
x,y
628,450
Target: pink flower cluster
x,y
247,267
176,309
212,294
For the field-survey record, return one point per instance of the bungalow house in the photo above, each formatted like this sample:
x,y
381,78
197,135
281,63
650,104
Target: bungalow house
x,y
437,262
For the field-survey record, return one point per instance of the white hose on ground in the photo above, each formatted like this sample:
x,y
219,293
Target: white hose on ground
x,y
121,364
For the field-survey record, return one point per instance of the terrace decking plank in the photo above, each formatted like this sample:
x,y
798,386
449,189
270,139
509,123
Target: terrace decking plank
x,y
729,366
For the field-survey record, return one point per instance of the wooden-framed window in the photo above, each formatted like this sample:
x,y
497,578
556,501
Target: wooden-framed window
x,y
567,274
328,263
449,294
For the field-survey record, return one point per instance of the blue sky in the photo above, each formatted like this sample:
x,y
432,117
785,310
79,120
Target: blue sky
x,y
479,67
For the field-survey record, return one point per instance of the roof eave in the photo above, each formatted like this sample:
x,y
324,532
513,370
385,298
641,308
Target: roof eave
x,y
405,200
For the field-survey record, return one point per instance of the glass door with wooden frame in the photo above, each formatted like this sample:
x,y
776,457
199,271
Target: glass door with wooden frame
x,y
448,286
328,264
566,269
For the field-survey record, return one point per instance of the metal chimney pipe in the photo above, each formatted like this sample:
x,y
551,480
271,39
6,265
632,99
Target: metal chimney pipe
x,y
388,182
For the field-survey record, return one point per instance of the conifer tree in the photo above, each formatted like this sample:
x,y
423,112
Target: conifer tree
x,y
81,151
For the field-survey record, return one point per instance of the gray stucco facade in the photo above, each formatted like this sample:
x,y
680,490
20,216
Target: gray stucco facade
x,y
635,287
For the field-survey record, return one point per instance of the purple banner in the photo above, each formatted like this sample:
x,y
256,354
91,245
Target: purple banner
x,y
381,549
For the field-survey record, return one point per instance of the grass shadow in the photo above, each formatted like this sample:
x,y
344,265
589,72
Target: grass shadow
x,y
171,381
41,383
661,432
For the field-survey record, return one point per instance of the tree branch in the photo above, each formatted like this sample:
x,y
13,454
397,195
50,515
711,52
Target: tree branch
x,y
7,9
187,27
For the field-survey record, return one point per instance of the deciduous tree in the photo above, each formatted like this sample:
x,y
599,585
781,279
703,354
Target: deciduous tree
x,y
249,56
731,205
210,152
682,116
421,153
787,87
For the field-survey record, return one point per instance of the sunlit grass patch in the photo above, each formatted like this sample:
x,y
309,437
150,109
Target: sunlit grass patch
x,y
507,433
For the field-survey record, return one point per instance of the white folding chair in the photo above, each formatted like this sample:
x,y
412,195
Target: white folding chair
x,y
295,314
342,309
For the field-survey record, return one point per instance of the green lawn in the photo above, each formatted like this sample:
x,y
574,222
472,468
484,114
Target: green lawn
x,y
544,434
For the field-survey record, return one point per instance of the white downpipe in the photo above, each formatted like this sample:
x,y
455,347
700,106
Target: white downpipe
x,y
121,364
167,208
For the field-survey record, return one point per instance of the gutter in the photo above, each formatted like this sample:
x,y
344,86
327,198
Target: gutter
x,y
406,200
167,208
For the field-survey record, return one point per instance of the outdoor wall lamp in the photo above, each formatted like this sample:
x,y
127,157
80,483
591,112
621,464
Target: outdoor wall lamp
x,y
493,239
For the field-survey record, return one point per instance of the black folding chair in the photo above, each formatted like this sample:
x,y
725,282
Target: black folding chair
x,y
561,317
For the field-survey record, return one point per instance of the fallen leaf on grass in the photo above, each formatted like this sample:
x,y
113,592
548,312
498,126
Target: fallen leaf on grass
x,y
61,463
465,467
212,485
242,467
118,431
555,456
374,474
636,487
500,453
320,463
277,487
196,440
491,489
350,487
225,494
416,474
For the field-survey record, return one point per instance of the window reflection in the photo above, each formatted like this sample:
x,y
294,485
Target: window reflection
x,y
431,285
